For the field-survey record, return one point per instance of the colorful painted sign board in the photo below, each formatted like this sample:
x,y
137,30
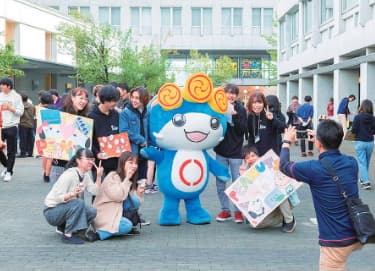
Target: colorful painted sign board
x,y
114,145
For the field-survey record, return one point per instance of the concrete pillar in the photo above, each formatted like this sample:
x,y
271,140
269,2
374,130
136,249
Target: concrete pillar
x,y
305,87
283,97
367,81
323,90
292,90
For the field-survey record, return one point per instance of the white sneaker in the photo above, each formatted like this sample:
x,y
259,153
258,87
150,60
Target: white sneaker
x,y
2,175
7,177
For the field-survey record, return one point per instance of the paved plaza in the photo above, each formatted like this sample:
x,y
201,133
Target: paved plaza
x,y
27,242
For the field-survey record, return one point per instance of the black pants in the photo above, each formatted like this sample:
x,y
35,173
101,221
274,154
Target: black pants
x,y
26,136
10,136
303,141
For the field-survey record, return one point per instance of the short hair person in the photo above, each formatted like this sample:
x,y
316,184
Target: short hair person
x,y
336,233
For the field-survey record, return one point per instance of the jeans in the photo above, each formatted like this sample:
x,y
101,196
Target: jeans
x,y
364,150
10,136
234,167
125,225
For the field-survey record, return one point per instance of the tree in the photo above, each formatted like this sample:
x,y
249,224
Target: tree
x,y
95,49
8,59
146,67
220,71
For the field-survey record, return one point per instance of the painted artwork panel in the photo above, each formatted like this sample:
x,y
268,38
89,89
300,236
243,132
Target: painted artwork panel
x,y
59,135
114,145
261,189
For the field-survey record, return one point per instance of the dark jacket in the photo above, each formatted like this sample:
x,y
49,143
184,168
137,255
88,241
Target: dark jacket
x,y
335,228
305,111
231,145
343,107
135,124
364,127
28,116
268,131
104,125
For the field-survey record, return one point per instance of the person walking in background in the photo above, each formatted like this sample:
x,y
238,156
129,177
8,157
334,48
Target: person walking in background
x,y
337,238
123,89
57,100
228,152
292,110
343,111
364,129
305,115
26,128
330,107
12,109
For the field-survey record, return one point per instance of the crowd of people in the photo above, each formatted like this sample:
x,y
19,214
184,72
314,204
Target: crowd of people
x,y
119,183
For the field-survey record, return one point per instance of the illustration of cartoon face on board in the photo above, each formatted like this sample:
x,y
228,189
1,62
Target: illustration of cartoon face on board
x,y
183,124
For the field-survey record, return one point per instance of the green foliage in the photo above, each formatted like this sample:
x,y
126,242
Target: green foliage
x,y
219,71
95,48
7,60
271,64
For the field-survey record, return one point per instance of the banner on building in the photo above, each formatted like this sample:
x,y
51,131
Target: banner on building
x,y
59,135
261,189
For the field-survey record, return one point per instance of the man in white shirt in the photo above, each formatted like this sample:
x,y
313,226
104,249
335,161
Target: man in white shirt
x,y
12,109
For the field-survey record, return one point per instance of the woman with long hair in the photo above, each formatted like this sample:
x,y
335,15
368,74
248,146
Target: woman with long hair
x,y
364,129
113,198
65,207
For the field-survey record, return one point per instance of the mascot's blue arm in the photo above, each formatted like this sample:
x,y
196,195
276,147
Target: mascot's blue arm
x,y
218,169
152,153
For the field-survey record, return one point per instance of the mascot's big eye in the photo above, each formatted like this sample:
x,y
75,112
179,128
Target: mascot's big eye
x,y
179,120
215,123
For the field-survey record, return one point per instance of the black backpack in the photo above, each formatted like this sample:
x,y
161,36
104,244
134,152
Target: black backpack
x,y
132,213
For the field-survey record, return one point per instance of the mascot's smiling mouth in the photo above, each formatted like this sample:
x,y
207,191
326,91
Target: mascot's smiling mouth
x,y
196,136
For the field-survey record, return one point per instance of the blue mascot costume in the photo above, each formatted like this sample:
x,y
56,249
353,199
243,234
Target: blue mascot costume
x,y
183,124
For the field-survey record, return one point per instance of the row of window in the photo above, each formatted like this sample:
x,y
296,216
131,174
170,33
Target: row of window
x,y
326,13
232,19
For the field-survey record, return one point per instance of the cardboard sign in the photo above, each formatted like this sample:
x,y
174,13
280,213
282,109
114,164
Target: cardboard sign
x,y
261,189
114,145
59,135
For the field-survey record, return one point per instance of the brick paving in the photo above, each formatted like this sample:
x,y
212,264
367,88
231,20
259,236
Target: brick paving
x,y
27,242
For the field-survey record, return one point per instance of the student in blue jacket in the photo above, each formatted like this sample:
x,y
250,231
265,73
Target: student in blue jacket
x,y
337,237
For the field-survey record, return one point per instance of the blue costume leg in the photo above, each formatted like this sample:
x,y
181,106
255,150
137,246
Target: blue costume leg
x,y
169,214
195,214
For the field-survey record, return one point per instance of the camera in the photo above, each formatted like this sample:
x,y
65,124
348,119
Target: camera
x,y
301,134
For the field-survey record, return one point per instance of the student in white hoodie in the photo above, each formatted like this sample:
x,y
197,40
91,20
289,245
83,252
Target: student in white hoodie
x,y
12,109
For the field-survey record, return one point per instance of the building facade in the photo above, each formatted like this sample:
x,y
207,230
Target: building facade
x,y
326,49
32,30
230,27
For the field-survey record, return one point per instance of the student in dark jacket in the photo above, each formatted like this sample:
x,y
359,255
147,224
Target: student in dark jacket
x,y
337,237
264,126
364,129
26,128
106,123
228,152
305,115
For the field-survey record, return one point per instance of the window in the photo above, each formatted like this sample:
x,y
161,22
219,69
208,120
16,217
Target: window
x,y
326,10
171,21
110,16
282,34
231,21
201,21
294,26
84,11
307,16
140,20
347,4
262,21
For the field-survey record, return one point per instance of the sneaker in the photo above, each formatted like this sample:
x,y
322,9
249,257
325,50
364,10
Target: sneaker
x,y
134,231
45,178
7,177
366,186
145,222
310,153
223,216
91,236
2,174
151,189
238,218
74,240
289,227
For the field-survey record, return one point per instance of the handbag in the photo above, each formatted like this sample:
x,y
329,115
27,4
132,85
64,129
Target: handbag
x,y
349,135
132,213
359,213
